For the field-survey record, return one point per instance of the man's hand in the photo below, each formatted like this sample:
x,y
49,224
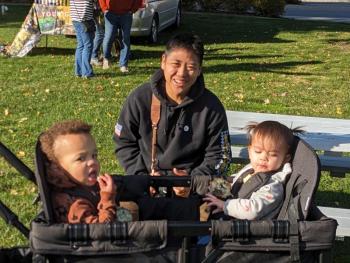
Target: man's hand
x,y
106,183
181,191
215,202
153,191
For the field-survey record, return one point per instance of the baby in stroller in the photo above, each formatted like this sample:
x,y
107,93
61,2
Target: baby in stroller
x,y
257,191
79,194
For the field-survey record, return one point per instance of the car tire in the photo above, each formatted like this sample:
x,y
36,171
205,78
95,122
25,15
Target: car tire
x,y
178,20
153,34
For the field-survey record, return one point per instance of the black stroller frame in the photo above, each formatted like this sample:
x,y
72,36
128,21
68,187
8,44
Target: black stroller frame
x,y
301,233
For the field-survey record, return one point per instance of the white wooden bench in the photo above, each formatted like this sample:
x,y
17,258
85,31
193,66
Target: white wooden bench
x,y
329,137
343,218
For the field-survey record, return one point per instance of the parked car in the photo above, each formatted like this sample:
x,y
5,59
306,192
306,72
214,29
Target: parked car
x,y
154,17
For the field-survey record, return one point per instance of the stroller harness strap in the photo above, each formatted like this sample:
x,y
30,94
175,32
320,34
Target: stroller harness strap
x,y
245,190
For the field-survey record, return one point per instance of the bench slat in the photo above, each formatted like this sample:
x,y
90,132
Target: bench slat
x,y
238,119
342,216
331,136
328,163
321,133
319,141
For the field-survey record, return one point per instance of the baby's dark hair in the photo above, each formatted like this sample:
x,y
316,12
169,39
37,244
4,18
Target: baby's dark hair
x,y
187,41
273,130
48,138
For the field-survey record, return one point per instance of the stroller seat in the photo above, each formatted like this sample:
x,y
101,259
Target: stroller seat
x,y
300,233
52,240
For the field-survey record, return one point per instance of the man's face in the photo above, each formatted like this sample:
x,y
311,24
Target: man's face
x,y
77,154
181,69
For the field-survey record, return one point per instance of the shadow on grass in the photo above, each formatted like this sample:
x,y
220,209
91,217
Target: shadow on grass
x,y
38,51
226,28
16,14
336,41
10,25
105,74
226,53
332,199
261,67
341,250
144,54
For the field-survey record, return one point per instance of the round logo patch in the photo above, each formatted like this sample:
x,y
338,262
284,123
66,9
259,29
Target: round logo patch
x,y
186,128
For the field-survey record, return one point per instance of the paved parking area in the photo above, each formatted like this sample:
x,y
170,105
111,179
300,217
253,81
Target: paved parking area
x,y
329,11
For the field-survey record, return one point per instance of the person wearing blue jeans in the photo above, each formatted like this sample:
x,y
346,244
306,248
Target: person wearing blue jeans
x,y
113,22
99,35
82,14
83,50
118,16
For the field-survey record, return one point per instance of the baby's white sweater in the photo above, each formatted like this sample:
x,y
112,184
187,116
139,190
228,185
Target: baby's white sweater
x,y
263,203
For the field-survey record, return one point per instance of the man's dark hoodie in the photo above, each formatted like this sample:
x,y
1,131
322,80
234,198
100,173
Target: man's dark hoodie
x,y
192,135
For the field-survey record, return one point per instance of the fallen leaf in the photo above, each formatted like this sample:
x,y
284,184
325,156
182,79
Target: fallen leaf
x,y
23,119
339,111
266,101
13,192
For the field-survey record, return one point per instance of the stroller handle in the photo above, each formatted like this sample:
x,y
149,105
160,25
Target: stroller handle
x,y
16,163
12,219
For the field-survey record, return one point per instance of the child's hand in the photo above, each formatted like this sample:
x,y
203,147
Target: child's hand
x,y
213,201
106,183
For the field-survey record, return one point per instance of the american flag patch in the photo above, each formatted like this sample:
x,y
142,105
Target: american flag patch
x,y
118,129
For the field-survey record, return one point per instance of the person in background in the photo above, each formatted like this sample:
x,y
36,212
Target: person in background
x,y
118,16
81,12
99,34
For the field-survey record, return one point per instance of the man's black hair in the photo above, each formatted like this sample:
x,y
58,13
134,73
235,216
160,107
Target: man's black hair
x,y
187,41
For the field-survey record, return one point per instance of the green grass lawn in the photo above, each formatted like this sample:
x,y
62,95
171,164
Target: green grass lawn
x,y
251,63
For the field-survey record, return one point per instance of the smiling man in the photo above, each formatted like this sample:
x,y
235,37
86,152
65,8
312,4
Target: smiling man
x,y
191,135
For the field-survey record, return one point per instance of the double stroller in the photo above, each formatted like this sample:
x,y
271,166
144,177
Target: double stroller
x,y
300,232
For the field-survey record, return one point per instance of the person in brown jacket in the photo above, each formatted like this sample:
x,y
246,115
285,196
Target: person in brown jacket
x,y
118,15
79,193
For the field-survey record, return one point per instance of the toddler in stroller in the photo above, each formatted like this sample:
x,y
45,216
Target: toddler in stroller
x,y
258,189
78,193
72,163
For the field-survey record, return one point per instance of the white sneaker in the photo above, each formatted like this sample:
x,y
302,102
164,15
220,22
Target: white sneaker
x,y
95,62
124,69
106,63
